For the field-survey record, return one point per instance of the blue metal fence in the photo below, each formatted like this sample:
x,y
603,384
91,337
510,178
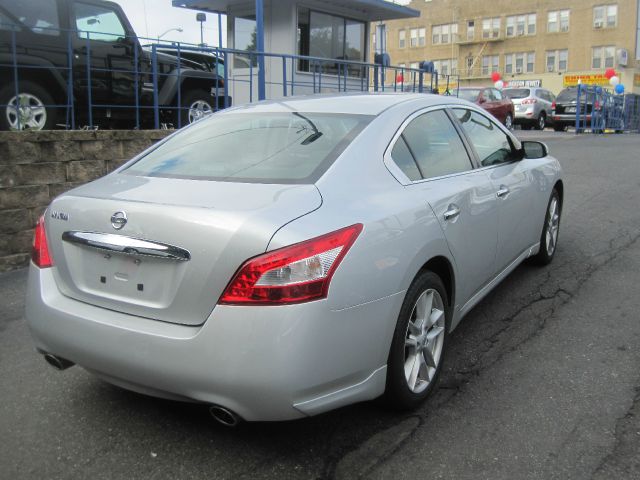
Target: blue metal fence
x,y
600,111
139,86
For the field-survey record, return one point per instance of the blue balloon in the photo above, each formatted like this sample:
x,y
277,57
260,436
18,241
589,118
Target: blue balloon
x,y
599,90
620,89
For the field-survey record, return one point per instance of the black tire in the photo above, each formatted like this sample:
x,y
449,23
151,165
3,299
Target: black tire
x,y
398,394
541,123
545,255
38,93
189,99
560,127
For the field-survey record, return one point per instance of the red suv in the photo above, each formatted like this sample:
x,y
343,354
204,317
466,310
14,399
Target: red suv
x,y
493,101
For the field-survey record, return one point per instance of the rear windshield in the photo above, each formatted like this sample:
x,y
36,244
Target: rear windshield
x,y
254,147
567,95
469,94
517,92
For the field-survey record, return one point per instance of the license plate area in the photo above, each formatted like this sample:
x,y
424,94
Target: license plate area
x,y
126,279
570,110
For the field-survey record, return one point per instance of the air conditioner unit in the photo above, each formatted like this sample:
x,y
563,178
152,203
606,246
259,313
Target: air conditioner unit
x,y
520,34
564,29
598,24
551,68
623,57
518,69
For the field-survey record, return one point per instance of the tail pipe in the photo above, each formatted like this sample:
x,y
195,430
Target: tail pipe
x,y
224,416
58,363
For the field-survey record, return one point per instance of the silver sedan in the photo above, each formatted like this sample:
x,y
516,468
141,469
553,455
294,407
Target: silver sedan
x,y
283,259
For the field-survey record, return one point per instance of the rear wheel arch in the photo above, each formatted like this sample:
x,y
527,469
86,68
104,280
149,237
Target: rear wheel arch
x,y
559,186
442,267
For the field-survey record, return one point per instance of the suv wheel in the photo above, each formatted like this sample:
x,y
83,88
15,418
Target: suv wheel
x,y
196,104
542,122
508,121
31,109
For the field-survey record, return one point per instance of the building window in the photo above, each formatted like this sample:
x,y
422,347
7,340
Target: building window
x,y
402,39
521,25
471,30
330,36
491,27
448,66
490,63
414,65
603,57
557,60
523,61
605,16
442,34
417,37
558,21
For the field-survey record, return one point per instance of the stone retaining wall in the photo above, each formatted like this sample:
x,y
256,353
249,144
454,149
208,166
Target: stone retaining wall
x,y
36,167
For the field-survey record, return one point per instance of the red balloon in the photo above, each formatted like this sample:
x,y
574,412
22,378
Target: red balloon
x,y
495,76
610,72
399,78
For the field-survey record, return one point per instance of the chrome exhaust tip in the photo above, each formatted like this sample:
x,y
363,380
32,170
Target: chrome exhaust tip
x,y
224,416
57,362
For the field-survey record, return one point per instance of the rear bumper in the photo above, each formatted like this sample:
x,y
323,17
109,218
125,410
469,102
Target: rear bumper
x,y
273,363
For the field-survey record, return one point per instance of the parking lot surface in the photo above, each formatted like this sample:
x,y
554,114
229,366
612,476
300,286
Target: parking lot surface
x,y
542,378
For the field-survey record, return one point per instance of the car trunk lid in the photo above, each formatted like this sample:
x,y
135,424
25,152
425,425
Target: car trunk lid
x,y
218,224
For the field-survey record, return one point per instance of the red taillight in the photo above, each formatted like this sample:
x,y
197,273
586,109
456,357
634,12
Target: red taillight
x,y
553,106
40,251
295,274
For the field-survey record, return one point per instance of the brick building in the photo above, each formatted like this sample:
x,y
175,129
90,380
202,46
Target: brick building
x,y
549,42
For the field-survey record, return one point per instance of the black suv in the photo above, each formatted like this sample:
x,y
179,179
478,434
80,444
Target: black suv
x,y
57,48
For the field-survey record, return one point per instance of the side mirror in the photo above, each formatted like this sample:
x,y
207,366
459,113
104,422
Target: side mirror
x,y
532,149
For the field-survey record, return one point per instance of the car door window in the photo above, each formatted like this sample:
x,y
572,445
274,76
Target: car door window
x,y
40,16
488,95
491,143
497,94
98,23
435,145
404,159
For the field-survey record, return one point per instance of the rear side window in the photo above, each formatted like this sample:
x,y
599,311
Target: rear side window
x,y
568,95
98,23
254,147
39,16
404,159
490,142
517,93
436,146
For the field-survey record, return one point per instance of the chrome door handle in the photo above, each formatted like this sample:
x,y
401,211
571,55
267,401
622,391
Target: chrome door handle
x,y
503,191
452,213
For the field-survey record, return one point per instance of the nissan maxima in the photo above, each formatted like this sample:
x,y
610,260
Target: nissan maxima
x,y
282,259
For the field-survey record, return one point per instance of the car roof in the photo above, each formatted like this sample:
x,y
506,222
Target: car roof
x,y
346,103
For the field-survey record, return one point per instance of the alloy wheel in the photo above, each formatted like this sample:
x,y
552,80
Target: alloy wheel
x,y
553,226
424,339
542,122
198,110
508,122
26,111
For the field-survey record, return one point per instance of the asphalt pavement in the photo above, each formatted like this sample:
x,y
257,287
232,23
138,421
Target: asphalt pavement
x,y
542,378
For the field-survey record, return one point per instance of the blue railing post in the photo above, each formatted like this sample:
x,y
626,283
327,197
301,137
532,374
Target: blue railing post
x,y
154,72
320,78
578,108
421,82
260,48
293,75
375,78
251,78
226,80
215,67
284,76
136,81
89,95
15,77
219,30
70,99
179,98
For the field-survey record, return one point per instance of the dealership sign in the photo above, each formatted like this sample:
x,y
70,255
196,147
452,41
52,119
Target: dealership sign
x,y
522,83
590,79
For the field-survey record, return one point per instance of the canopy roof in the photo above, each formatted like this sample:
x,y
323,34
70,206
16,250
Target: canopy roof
x,y
364,10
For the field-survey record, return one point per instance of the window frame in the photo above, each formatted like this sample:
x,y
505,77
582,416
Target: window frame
x,y
514,142
397,172
603,15
116,9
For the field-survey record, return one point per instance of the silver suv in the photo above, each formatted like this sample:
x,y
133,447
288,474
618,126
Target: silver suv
x,y
532,106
